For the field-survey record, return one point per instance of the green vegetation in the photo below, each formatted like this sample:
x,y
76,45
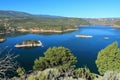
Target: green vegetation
x,y
20,71
58,64
21,20
2,28
55,74
109,59
44,23
2,38
117,24
54,57
30,42
84,73
10,13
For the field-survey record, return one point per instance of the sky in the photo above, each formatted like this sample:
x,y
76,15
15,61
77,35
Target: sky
x,y
67,8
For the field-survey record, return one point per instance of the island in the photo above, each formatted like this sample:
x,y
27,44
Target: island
x,y
83,36
29,43
106,37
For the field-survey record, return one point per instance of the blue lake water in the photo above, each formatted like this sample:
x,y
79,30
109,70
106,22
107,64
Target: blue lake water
x,y
85,49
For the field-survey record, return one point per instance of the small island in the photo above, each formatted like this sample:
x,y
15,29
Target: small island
x,y
106,37
29,43
83,36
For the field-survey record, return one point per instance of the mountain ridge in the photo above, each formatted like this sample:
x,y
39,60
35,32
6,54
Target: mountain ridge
x,y
53,20
22,21
12,13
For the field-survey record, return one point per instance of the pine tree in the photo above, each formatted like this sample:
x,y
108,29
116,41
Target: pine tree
x,y
109,59
53,57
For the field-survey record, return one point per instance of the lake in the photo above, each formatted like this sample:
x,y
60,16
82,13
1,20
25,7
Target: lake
x,y
85,49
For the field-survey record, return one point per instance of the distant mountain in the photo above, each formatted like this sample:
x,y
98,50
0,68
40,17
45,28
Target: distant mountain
x,y
92,21
45,22
48,16
10,13
5,13
101,21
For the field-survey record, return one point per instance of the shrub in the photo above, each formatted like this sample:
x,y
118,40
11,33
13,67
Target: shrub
x,y
109,75
20,71
109,59
54,57
84,73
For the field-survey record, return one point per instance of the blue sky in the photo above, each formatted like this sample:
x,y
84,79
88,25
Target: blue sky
x,y
68,8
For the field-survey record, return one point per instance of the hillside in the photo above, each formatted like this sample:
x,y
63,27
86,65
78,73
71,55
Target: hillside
x,y
10,13
5,13
101,21
22,20
117,24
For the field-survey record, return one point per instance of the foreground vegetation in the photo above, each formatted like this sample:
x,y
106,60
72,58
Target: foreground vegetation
x,y
55,57
109,59
58,63
8,66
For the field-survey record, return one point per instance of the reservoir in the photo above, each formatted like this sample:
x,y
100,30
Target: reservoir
x,y
85,49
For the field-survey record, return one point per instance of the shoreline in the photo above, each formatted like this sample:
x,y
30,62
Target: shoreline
x,y
116,26
2,40
45,31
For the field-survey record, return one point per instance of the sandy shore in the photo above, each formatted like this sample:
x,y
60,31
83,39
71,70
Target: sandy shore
x,y
115,26
2,39
44,31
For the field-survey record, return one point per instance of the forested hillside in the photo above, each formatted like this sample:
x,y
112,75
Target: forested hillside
x,y
27,21
9,13
44,23
101,21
